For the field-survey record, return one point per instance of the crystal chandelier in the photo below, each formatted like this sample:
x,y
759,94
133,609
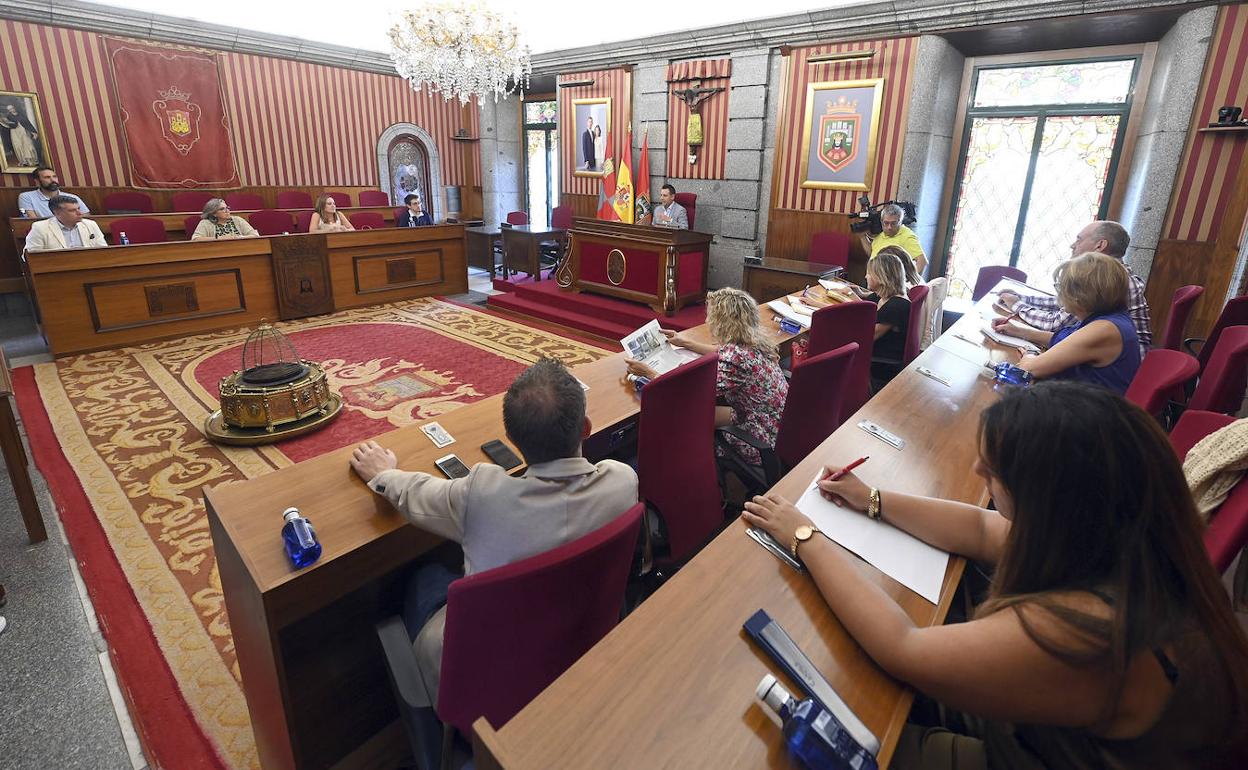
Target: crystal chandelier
x,y
460,49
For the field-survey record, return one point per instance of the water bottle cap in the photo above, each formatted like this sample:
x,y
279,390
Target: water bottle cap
x,y
772,693
765,686
290,513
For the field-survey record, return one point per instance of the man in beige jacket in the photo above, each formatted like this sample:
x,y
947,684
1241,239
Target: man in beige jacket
x,y
65,229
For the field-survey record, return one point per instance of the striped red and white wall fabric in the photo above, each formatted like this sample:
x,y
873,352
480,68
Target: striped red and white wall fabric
x,y
1205,183
893,61
707,73
614,83
292,123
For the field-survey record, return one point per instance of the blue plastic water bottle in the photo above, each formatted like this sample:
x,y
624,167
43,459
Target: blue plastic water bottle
x,y
814,737
124,240
638,381
1010,375
301,544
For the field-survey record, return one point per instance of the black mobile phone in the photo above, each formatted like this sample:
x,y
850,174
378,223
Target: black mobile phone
x,y
452,466
501,454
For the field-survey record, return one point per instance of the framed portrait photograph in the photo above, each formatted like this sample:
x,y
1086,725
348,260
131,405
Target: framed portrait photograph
x,y
592,122
23,144
839,133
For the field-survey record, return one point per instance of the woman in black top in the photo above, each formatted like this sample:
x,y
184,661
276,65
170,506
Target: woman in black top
x,y
887,276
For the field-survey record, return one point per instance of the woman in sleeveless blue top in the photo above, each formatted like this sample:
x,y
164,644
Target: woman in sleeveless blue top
x,y
1103,349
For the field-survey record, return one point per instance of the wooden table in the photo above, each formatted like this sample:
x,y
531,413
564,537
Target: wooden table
x,y
304,638
673,685
774,277
15,459
522,248
481,244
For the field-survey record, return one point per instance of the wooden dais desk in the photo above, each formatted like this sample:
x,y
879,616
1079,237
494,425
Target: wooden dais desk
x,y
522,248
775,277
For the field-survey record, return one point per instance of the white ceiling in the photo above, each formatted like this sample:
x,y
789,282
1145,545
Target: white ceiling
x,y
547,25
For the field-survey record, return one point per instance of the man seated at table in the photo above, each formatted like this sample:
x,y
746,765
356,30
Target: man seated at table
x,y
669,213
1043,311
414,215
65,228
499,518
896,234
37,203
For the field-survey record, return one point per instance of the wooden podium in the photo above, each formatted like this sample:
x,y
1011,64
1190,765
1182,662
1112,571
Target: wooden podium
x,y
663,268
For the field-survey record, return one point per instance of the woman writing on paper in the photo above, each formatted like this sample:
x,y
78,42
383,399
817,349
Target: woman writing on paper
x,y
1102,348
1107,640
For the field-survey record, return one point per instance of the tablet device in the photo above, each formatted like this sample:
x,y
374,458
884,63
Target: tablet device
x,y
500,454
452,466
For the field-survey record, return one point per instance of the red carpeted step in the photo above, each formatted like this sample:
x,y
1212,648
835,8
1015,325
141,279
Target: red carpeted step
x,y
610,309
513,302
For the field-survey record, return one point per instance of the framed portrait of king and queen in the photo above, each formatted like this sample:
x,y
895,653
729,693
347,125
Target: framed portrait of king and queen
x,y
839,133
592,119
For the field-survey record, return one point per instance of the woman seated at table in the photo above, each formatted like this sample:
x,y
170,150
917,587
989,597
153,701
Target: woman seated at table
x,y
1102,348
750,387
887,277
1107,639
219,223
414,215
328,219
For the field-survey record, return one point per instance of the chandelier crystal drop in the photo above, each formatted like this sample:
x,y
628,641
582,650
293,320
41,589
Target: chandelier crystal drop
x,y
459,49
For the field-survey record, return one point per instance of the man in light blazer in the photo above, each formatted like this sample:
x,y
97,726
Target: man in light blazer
x,y
65,229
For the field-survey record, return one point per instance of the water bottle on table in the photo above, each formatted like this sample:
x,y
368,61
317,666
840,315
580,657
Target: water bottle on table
x,y
300,539
814,737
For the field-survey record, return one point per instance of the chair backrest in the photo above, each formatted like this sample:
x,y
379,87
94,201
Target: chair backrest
x,y
138,230
1180,308
934,322
373,198
341,198
830,248
303,220
990,274
1234,313
1193,426
561,217
513,630
918,318
517,218
1227,533
244,201
812,409
840,324
1160,373
690,203
676,453
1221,386
367,220
294,199
191,200
271,222
190,223
128,202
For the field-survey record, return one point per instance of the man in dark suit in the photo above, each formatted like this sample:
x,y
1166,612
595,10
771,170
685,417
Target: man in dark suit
x,y
414,215
587,145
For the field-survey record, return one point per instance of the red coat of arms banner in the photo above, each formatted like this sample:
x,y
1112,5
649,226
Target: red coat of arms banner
x,y
173,115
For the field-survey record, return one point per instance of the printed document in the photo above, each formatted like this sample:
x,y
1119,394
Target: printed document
x,y
649,346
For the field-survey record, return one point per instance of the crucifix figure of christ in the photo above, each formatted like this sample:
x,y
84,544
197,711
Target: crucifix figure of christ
x,y
693,96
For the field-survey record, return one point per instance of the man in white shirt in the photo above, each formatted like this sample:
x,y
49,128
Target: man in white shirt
x,y
669,213
65,229
36,203
498,518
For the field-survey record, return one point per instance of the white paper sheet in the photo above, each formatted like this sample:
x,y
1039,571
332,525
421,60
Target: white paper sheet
x,y
781,307
1006,339
903,557
649,346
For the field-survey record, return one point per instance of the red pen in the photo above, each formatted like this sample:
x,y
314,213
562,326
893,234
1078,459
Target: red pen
x,y
839,474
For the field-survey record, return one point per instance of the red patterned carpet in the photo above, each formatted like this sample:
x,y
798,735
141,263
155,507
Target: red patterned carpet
x,y
117,435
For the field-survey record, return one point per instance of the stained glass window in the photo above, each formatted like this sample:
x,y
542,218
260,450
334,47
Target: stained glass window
x,y
540,112
1086,82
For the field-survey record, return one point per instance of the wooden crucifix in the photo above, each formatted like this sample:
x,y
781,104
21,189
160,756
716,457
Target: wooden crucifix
x,y
693,96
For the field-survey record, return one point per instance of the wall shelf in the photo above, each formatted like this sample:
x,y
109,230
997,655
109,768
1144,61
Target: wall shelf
x,y
1223,130
466,138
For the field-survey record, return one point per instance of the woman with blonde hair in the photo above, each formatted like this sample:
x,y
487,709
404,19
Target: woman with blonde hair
x,y
328,218
887,275
750,387
217,222
1103,347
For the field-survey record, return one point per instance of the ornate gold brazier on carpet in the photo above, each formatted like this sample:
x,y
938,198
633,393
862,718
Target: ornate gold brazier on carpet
x,y
276,395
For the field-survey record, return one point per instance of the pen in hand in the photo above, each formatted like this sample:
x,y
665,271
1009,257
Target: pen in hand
x,y
841,473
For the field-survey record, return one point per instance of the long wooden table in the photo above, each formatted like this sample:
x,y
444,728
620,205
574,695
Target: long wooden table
x,y
673,685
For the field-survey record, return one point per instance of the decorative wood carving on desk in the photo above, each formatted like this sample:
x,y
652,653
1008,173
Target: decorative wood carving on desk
x,y
301,276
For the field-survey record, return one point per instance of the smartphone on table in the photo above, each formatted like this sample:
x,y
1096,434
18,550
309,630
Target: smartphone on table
x,y
452,466
500,454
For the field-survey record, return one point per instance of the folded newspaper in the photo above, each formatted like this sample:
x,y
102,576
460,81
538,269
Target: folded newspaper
x,y
649,346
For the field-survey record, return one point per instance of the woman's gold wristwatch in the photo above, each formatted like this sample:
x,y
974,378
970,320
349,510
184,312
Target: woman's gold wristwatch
x,y
873,505
801,535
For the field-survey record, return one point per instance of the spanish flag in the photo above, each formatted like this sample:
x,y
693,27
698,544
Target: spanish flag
x,y
623,202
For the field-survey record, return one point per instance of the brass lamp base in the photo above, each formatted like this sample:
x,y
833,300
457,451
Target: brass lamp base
x,y
216,429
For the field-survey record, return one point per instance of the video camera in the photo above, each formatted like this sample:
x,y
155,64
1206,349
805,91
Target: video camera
x,y
868,220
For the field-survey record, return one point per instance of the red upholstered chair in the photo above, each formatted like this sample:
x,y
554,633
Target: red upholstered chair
x,y
1160,376
517,218
1222,383
129,202
303,220
513,630
138,230
341,198
294,199
989,275
244,201
676,456
367,220
830,248
561,217
1180,308
271,222
690,202
373,198
190,223
837,325
191,200
1234,313
1227,532
914,329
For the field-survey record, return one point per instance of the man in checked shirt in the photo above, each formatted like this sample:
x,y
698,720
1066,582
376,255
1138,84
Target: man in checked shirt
x,y
1045,314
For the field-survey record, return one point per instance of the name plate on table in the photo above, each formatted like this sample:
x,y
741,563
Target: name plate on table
x,y
301,275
